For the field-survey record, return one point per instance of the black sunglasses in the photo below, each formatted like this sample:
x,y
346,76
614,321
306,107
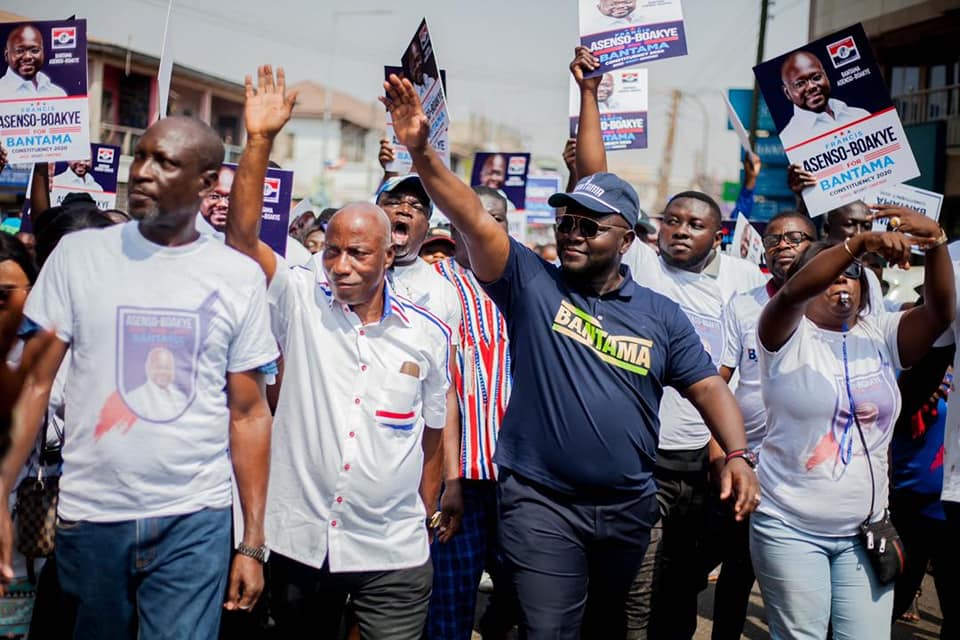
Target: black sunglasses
x,y
792,237
6,290
853,271
588,227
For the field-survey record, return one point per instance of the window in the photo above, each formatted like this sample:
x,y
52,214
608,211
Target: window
x,y
352,142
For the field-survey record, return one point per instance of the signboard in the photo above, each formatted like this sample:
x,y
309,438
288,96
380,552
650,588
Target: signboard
x,y
95,175
835,118
747,242
44,112
539,190
506,172
622,97
622,34
277,198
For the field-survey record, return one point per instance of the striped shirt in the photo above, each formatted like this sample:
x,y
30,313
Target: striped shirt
x,y
482,378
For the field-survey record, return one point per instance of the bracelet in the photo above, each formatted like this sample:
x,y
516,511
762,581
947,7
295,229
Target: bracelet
x,y
940,241
734,454
847,247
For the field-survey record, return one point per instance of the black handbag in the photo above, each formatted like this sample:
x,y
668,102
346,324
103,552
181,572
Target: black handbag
x,y
880,538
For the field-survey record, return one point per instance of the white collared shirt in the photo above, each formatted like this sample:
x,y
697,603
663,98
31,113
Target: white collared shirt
x,y
346,458
69,179
421,284
12,86
810,124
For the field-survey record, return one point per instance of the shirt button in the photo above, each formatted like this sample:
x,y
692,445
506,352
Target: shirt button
x,y
363,367
339,499
352,434
362,332
346,467
356,401
333,523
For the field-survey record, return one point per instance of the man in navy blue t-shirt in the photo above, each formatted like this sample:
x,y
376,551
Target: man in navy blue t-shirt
x,y
591,351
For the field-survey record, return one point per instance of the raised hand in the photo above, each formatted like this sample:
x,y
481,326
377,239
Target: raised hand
x,y
268,106
894,247
798,179
410,123
751,166
907,221
570,154
386,155
583,63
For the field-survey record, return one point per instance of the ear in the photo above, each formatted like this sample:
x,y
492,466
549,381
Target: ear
x,y
210,178
628,239
390,255
718,238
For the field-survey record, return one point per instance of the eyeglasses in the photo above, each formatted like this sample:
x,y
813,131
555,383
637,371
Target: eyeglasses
x,y
6,290
588,227
793,238
853,271
801,84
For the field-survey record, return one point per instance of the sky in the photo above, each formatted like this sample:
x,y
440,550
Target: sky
x,y
506,60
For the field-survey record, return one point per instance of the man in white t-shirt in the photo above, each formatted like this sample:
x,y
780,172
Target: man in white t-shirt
x,y
691,271
356,461
77,175
143,534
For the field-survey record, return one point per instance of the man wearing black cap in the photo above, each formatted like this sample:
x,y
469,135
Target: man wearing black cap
x,y
591,354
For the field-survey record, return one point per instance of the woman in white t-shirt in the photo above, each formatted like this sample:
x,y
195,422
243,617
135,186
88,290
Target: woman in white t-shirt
x,y
821,354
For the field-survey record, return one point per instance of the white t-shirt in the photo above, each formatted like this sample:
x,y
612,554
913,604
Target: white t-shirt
x,y
877,303
803,480
702,298
740,352
420,283
135,313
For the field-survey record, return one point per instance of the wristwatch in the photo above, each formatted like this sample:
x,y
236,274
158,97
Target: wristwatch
x,y
749,457
261,554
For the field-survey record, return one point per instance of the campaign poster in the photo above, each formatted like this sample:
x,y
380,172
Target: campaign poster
x,y
747,243
96,174
539,190
419,65
903,195
622,97
402,162
44,113
277,199
734,121
506,172
835,119
622,33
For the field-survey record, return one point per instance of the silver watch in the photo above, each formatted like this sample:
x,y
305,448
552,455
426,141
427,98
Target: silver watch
x,y
261,554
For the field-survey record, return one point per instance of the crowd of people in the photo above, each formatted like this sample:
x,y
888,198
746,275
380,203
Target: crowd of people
x,y
344,439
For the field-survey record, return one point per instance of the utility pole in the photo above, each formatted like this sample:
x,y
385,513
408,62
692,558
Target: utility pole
x,y
755,100
667,165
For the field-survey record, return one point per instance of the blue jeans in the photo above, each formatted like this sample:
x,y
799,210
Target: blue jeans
x,y
148,579
808,581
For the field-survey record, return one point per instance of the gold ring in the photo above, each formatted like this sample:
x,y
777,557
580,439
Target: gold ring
x,y
895,222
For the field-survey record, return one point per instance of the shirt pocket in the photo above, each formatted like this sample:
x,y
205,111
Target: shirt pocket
x,y
398,407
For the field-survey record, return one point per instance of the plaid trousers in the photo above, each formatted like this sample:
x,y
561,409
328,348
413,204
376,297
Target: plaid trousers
x,y
458,564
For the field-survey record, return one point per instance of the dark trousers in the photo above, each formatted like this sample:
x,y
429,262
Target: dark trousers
x,y
571,560
927,539
458,565
663,597
727,542
389,605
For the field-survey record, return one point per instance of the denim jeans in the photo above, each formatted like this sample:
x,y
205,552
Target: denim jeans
x,y
809,581
148,579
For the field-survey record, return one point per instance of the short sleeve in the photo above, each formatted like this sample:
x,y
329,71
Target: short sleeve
x,y
889,325
523,265
436,383
253,345
282,299
732,342
50,304
453,314
687,361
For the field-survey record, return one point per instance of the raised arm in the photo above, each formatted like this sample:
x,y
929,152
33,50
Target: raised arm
x,y
781,316
591,154
923,324
40,188
487,243
266,109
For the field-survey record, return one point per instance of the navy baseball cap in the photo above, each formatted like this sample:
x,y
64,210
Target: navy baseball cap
x,y
602,193
411,181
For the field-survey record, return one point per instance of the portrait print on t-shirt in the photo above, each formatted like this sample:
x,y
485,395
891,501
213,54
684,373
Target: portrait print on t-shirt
x,y
710,331
873,398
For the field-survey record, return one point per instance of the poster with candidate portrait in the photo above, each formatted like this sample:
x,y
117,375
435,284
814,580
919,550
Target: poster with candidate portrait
x,y
926,202
622,97
539,189
402,162
277,199
419,65
747,242
622,33
504,171
95,175
835,118
44,112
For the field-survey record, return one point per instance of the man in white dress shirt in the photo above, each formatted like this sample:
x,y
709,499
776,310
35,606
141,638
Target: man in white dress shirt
x,y
158,399
77,175
806,85
24,57
357,431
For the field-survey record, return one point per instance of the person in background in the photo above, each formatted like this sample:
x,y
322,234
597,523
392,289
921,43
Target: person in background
x,y
751,170
314,238
845,222
787,236
438,246
29,242
548,252
817,342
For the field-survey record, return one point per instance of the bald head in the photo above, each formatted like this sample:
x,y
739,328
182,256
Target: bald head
x,y
362,218
23,52
805,83
200,138
358,251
